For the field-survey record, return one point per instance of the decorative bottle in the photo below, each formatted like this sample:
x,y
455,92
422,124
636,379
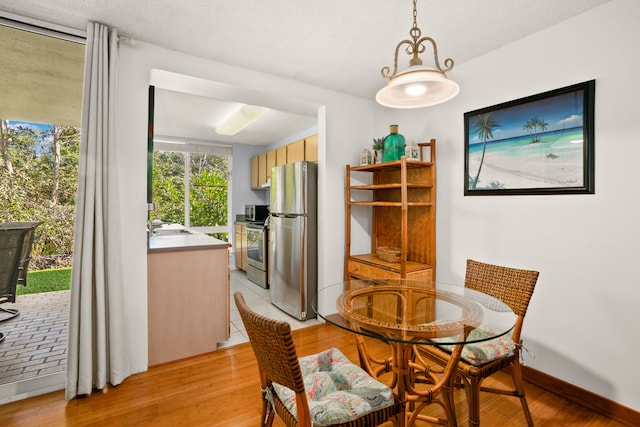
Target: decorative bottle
x,y
393,145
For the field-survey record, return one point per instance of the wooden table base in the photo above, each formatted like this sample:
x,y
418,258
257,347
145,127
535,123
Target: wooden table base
x,y
417,381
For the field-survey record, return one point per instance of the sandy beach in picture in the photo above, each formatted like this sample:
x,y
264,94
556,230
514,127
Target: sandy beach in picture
x,y
555,161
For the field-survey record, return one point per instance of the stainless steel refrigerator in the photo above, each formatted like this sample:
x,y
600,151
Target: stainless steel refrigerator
x,y
293,238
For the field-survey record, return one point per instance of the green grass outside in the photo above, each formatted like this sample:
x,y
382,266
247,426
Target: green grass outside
x,y
58,279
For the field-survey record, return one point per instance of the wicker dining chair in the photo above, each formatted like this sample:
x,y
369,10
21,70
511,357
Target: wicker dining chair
x,y
514,287
327,399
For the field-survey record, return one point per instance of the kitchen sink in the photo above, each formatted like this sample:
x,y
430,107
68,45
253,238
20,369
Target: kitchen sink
x,y
170,231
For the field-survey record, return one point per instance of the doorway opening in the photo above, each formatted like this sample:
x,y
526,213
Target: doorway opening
x,y
40,113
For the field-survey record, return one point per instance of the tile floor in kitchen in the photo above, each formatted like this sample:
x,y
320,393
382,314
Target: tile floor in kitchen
x,y
258,299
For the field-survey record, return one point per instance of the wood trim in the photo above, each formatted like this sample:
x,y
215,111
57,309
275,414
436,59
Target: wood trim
x,y
582,397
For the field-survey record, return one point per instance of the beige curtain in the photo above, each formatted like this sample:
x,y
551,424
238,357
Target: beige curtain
x,y
97,347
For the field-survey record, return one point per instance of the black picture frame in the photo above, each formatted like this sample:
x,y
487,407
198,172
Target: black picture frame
x,y
540,144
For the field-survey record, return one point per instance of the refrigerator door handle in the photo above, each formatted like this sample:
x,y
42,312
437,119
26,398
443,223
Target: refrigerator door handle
x,y
287,215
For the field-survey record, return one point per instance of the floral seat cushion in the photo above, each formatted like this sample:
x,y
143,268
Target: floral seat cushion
x,y
337,390
482,352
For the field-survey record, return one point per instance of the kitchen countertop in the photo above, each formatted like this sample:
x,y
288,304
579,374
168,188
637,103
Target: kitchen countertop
x,y
174,237
241,219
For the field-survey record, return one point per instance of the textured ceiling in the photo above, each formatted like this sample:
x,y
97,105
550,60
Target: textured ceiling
x,y
56,65
336,44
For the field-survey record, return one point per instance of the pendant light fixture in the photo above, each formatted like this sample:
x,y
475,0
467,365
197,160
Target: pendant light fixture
x,y
417,86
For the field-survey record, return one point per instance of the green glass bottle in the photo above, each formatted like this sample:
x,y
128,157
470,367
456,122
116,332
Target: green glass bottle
x,y
393,145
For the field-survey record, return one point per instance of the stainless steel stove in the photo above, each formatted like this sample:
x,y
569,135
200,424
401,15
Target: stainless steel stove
x,y
257,253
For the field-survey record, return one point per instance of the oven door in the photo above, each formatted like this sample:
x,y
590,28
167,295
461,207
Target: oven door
x,y
257,247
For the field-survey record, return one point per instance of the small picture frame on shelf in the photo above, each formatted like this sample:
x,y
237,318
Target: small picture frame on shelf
x,y
412,151
366,157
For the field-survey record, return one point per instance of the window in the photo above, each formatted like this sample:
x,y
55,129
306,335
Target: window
x,y
191,186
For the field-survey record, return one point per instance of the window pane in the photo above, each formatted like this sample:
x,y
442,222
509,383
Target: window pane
x,y
168,186
208,190
221,236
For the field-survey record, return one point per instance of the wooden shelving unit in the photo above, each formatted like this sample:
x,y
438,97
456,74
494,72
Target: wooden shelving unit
x,y
403,212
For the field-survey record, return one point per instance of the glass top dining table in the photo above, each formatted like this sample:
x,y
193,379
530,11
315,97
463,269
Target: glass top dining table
x,y
407,314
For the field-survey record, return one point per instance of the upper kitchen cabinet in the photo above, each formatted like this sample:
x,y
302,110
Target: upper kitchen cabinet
x,y
295,151
311,148
262,169
303,149
271,162
255,175
281,155
258,171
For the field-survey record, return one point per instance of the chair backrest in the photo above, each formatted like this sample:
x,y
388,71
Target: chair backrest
x,y
10,252
27,230
512,286
273,347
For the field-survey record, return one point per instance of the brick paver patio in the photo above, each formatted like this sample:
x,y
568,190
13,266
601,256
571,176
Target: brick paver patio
x,y
35,342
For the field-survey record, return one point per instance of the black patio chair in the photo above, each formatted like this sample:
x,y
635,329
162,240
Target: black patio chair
x,y
16,242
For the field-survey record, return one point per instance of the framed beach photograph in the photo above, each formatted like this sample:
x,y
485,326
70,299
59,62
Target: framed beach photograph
x,y
541,144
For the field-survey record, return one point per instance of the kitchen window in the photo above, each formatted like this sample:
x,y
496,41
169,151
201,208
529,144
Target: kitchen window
x,y
191,186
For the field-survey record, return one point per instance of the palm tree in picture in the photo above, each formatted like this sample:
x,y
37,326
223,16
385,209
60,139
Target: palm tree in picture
x,y
532,127
528,126
542,125
483,125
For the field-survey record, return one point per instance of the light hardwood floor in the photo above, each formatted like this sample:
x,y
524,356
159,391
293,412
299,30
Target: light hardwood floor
x,y
222,389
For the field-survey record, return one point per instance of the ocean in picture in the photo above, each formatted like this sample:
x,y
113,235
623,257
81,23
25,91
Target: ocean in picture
x,y
555,159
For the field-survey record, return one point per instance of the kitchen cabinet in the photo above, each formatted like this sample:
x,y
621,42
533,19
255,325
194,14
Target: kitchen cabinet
x,y
271,163
188,297
295,151
281,155
400,198
261,165
303,149
262,169
311,148
241,246
255,181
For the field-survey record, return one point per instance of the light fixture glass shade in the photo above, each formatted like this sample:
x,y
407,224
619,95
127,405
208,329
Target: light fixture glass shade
x,y
240,119
417,87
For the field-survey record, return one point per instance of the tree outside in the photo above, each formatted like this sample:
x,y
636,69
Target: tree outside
x,y
208,188
39,182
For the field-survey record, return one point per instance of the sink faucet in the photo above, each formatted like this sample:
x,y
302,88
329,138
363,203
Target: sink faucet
x,y
153,224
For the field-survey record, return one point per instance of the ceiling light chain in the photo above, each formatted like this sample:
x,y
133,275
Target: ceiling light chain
x,y
415,48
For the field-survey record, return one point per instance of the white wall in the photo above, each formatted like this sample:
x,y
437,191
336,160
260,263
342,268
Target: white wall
x,y
344,119
581,324
242,194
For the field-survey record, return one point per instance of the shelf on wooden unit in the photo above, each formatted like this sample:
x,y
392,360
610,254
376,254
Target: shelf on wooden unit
x,y
402,214
381,203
